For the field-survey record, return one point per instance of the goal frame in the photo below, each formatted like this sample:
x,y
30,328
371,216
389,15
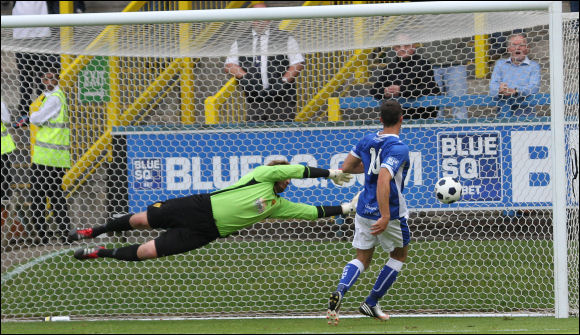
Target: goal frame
x,y
554,9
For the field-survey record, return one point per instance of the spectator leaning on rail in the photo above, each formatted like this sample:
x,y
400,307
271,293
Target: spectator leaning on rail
x,y
51,158
268,81
515,78
409,76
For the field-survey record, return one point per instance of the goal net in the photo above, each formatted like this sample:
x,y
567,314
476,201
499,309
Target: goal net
x,y
155,112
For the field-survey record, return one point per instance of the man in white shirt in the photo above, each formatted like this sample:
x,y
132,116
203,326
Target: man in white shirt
x,y
268,80
31,66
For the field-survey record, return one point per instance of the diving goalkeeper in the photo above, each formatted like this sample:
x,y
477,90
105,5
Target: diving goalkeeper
x,y
196,220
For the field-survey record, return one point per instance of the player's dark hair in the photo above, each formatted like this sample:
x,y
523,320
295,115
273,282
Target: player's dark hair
x,y
278,162
391,112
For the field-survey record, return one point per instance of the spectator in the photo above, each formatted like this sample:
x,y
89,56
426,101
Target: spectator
x,y
268,81
408,76
31,66
450,71
8,147
51,158
515,78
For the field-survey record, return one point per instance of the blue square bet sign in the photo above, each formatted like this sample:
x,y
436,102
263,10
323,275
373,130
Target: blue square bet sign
x,y
476,159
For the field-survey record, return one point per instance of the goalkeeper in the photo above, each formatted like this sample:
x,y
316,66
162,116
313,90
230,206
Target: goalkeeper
x,y
196,220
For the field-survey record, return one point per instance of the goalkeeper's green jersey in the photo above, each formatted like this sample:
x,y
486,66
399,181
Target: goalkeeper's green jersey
x,y
253,199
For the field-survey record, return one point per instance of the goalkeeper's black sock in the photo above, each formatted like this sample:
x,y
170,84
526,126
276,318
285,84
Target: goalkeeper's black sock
x,y
124,254
116,224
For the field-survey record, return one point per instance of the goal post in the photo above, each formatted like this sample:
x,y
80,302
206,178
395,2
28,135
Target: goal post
x,y
558,143
154,114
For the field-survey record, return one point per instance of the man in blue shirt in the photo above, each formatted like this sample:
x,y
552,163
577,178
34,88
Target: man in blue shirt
x,y
515,78
381,213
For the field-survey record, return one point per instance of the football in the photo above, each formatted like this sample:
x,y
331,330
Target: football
x,y
448,190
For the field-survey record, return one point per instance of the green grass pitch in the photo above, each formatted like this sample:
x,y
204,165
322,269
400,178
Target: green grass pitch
x,y
485,276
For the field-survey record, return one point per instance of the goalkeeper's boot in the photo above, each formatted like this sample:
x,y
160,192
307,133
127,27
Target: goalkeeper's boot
x,y
333,307
373,311
80,234
88,253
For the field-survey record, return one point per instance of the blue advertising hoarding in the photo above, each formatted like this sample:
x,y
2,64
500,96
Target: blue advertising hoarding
x,y
499,165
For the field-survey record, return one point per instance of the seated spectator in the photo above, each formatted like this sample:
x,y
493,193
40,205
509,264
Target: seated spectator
x,y
515,78
409,76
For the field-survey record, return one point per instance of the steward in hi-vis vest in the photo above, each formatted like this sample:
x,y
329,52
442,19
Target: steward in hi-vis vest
x,y
50,160
16,229
52,146
7,142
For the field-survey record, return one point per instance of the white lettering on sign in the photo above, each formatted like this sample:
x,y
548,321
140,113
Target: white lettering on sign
x,y
469,145
183,173
527,166
475,159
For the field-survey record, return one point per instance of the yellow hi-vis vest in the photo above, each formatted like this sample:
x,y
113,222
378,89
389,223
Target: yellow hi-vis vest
x,y
52,147
7,143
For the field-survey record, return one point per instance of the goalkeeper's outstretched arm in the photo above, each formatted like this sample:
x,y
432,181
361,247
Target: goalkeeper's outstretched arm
x,y
344,209
295,210
339,177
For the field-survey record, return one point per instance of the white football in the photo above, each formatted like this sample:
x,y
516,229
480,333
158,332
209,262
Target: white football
x,y
448,190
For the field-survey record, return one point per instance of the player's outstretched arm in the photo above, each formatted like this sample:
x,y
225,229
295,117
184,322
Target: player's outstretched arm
x,y
353,164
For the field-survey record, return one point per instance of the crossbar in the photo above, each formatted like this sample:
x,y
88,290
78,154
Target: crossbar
x,y
272,13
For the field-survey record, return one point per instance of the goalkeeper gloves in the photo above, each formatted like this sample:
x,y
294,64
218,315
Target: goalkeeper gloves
x,y
339,177
350,207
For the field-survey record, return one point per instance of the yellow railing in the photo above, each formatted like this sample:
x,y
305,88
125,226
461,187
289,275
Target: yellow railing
x,y
355,64
84,128
91,156
318,69
334,83
214,104
143,103
481,47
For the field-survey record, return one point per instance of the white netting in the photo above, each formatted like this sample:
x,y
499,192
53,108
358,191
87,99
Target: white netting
x,y
315,35
154,114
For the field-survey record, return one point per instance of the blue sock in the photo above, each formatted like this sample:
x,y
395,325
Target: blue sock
x,y
386,278
349,275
